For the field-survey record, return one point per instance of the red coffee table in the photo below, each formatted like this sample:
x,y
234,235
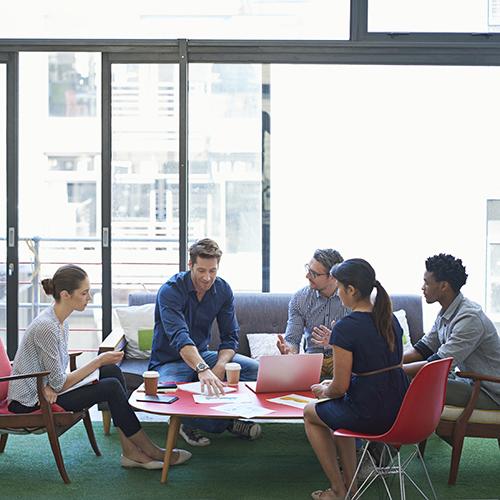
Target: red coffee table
x,y
186,407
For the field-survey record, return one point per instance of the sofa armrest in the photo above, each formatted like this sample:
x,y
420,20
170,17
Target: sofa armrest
x,y
115,341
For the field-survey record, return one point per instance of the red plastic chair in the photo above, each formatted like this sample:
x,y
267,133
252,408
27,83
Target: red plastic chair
x,y
417,419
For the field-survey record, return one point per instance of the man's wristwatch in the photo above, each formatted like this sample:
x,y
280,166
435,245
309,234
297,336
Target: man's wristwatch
x,y
201,367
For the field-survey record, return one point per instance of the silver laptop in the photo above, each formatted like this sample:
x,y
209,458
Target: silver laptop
x,y
287,373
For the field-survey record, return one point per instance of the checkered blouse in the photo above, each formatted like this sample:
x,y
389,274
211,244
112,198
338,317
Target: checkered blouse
x,y
44,348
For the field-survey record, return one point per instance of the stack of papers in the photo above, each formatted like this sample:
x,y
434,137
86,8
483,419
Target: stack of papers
x,y
248,410
295,400
231,398
195,387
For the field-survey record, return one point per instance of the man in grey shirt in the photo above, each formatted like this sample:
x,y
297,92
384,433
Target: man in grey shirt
x,y
461,331
313,309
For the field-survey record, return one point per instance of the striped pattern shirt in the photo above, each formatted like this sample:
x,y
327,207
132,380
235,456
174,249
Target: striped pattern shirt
x,y
44,348
308,309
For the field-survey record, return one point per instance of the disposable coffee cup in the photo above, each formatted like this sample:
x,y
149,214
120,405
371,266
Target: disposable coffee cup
x,y
233,373
151,382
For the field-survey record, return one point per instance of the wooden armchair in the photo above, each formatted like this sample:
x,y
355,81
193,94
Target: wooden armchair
x,y
457,423
51,419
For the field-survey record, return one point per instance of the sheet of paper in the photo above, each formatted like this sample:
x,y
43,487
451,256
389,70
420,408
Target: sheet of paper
x,y
228,398
247,410
195,387
295,400
89,379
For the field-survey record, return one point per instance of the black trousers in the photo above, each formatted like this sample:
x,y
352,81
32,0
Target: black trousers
x,y
109,389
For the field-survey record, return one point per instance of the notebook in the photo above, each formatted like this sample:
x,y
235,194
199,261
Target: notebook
x,y
293,372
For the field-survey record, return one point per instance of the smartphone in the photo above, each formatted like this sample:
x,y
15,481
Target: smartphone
x,y
167,385
160,398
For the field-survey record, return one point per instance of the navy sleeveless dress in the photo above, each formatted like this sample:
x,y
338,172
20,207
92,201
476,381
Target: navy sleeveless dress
x,y
371,402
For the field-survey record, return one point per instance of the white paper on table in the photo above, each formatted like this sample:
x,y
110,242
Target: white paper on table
x,y
295,400
228,398
248,410
195,387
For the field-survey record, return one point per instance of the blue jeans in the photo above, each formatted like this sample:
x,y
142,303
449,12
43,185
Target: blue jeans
x,y
179,371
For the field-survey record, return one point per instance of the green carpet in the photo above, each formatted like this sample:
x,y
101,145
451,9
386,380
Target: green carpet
x,y
281,465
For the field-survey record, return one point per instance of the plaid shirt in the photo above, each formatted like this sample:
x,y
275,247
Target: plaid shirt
x,y
308,309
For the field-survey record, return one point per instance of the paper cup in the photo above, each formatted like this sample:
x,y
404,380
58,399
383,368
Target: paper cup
x,y
233,373
151,382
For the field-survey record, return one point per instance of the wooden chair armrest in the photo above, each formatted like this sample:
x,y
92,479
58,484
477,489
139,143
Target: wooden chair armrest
x,y
24,375
72,360
115,341
478,376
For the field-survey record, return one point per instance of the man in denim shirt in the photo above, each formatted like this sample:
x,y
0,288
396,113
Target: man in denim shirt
x,y
461,331
186,306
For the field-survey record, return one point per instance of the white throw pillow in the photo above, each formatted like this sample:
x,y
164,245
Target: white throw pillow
x,y
401,317
132,319
264,344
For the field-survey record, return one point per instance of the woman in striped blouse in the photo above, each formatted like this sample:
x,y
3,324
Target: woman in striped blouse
x,y
45,348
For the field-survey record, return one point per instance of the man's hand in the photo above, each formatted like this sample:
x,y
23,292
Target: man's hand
x,y
109,358
211,382
50,394
321,335
282,345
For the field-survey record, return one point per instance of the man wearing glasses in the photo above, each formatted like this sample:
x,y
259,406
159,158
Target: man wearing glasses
x,y
313,310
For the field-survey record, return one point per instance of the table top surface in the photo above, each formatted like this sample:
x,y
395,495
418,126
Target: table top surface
x,y
185,405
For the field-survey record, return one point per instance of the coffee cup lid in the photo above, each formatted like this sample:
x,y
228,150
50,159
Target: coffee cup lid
x,y
233,366
151,373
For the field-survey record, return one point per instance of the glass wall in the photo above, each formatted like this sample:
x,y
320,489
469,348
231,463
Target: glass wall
x,y
59,181
145,176
493,261
393,171
445,16
3,206
217,19
225,166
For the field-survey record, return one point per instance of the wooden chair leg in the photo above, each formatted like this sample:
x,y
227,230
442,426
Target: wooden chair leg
x,y
106,422
56,450
3,442
90,433
456,453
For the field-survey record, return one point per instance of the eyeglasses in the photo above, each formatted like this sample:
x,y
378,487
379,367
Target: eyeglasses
x,y
312,272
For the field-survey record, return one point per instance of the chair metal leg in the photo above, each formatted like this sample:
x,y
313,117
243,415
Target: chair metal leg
x,y
90,433
106,422
3,442
401,478
420,456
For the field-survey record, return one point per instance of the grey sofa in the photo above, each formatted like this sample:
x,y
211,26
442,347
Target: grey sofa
x,y
257,312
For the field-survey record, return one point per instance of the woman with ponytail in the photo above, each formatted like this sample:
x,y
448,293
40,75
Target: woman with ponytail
x,y
45,348
368,383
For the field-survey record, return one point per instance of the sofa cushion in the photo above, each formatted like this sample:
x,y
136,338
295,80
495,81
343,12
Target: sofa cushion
x,y
478,416
264,344
401,317
132,319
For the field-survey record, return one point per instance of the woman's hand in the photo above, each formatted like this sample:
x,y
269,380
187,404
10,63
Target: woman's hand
x,y
319,390
109,358
50,394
